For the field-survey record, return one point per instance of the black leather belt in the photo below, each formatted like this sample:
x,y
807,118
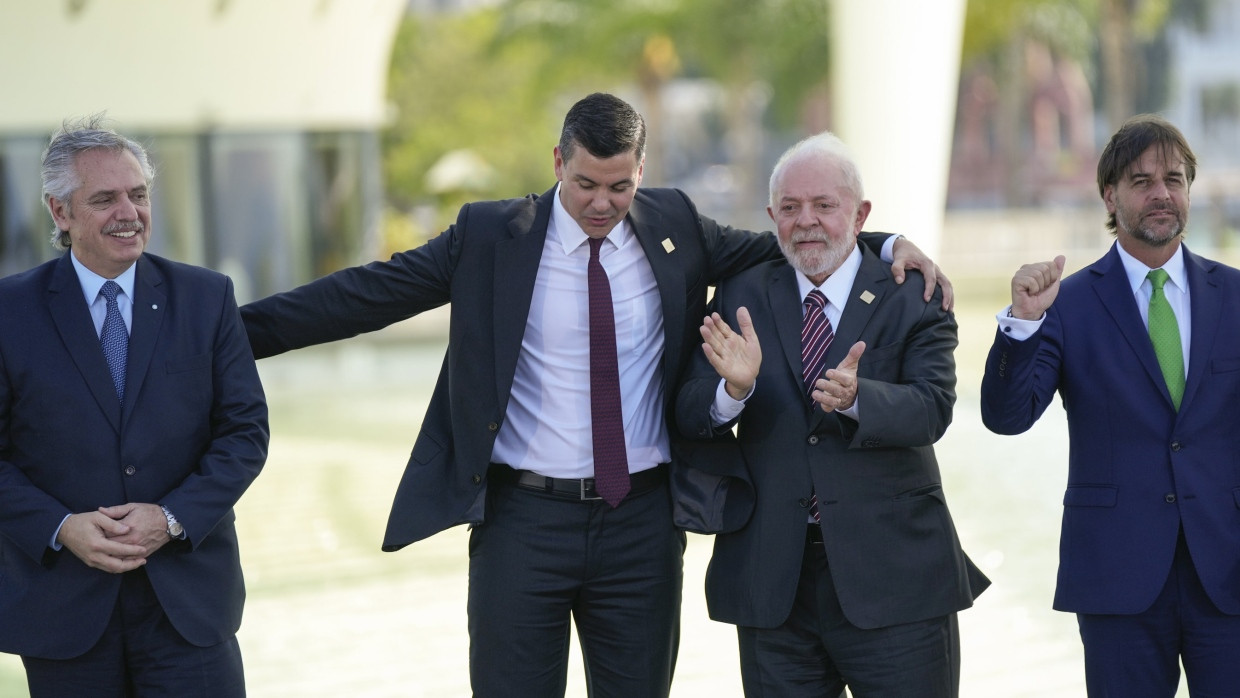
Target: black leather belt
x,y
813,534
581,489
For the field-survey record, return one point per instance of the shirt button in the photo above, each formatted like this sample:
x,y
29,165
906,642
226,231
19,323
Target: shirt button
x,y
130,470
813,440
1170,498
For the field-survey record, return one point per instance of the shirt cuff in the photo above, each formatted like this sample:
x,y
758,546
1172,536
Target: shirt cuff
x,y
1016,329
56,534
725,408
889,245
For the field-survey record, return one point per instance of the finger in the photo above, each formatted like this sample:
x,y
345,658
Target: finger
x,y
949,294
897,271
930,277
744,322
851,361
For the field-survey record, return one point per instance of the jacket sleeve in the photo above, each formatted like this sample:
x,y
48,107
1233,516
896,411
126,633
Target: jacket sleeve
x,y
906,391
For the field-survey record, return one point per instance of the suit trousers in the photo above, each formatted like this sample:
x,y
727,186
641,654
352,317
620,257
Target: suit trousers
x,y
817,652
541,560
141,656
1138,656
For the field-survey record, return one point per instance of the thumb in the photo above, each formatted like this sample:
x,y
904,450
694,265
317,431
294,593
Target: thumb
x,y
119,511
744,322
851,361
1059,263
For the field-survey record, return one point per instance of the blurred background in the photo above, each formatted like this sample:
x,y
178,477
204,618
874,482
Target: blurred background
x,y
296,137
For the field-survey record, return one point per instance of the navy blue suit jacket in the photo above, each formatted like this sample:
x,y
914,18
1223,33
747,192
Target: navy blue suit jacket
x,y
191,435
893,549
1138,470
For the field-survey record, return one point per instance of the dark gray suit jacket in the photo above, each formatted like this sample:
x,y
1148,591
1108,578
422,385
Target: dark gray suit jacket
x,y
892,547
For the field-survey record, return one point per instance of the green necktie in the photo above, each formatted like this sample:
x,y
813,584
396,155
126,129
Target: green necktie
x,y
1165,334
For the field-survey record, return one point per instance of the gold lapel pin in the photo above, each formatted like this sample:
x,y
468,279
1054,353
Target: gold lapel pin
x,y
867,297
667,245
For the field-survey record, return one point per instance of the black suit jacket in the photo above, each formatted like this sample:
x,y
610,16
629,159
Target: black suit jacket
x,y
191,435
892,547
485,266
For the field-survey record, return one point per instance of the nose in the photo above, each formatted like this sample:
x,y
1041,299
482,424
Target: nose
x,y
805,218
1159,190
126,209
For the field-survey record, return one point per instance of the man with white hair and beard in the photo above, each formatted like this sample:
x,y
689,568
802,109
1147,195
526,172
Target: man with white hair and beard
x,y
849,572
1143,348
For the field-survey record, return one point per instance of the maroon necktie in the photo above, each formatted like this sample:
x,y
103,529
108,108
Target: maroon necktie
x,y
816,336
611,460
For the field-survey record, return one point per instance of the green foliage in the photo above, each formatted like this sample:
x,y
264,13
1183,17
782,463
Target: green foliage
x,y
1066,26
451,89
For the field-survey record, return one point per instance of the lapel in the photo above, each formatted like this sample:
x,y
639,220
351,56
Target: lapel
x,y
150,304
1110,283
71,316
1206,310
873,282
648,227
515,270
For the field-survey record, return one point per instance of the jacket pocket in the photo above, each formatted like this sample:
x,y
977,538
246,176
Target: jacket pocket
x,y
1091,496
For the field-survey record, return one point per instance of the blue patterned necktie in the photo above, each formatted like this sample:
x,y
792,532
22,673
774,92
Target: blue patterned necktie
x,y
114,338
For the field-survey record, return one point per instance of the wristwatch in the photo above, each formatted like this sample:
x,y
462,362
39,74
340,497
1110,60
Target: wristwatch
x,y
175,529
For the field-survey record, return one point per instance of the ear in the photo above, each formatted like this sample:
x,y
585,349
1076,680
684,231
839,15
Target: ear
x,y
60,212
771,212
640,167
559,164
863,212
1108,197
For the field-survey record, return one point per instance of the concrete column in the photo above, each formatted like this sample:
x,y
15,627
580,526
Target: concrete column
x,y
895,70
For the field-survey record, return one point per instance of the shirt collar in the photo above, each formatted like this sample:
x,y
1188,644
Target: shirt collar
x,y
1137,271
92,282
837,286
570,235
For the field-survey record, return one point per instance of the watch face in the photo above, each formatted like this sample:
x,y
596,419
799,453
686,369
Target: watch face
x,y
175,530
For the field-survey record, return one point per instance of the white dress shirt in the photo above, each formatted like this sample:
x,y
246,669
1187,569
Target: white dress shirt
x,y
547,425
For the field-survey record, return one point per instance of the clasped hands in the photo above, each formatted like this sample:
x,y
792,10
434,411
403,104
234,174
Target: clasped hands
x,y
116,539
737,357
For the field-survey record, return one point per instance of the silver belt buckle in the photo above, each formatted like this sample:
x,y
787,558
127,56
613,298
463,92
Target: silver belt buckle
x,y
582,485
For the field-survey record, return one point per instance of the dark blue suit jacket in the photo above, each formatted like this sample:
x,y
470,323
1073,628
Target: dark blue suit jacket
x,y
894,553
191,435
1138,471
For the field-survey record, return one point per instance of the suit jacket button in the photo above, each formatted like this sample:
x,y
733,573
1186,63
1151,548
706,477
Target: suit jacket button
x,y
477,478
493,427
803,502
130,470
1170,498
1175,446
813,440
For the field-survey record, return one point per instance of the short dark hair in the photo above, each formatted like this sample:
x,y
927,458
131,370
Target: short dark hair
x,y
1132,139
605,125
